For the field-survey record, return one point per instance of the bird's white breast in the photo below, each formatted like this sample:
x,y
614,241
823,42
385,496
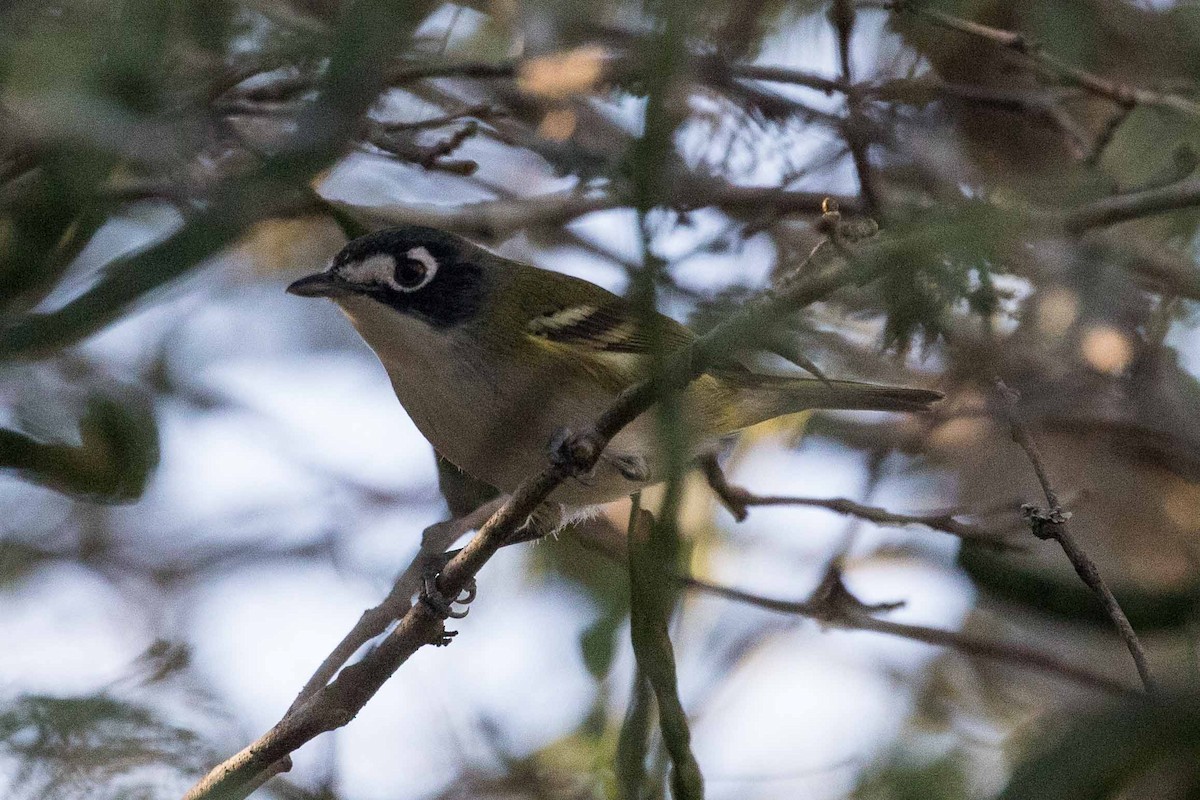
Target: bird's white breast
x,y
487,416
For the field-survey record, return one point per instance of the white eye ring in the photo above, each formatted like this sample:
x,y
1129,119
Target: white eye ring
x,y
379,268
426,259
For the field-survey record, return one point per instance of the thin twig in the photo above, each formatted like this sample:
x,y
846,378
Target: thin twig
x,y
653,553
1133,205
832,604
494,219
841,14
1051,523
834,610
739,500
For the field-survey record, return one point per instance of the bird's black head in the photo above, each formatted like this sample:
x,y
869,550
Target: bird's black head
x,y
427,273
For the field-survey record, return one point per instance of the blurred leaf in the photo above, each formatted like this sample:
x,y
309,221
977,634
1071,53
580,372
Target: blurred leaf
x,y
118,450
354,79
933,264
1060,593
606,584
1101,752
901,778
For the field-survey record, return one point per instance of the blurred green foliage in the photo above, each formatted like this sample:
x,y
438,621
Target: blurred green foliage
x,y
118,451
1099,754
94,747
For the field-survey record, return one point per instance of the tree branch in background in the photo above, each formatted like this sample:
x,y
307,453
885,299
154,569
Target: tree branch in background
x,y
833,604
739,501
858,140
1051,523
1122,94
1133,205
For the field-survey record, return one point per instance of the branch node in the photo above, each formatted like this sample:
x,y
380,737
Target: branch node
x,y
834,604
1045,523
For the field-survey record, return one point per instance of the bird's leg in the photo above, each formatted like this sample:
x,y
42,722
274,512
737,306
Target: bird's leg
x,y
545,520
432,596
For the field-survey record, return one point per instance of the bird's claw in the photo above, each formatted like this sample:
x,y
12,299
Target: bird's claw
x,y
433,598
578,452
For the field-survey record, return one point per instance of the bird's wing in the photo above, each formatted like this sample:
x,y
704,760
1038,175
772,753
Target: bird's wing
x,y
575,313
609,326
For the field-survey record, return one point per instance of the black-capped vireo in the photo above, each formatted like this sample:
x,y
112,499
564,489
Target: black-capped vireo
x,y
493,359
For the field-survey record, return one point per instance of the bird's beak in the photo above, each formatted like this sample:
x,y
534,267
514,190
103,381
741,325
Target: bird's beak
x,y
322,284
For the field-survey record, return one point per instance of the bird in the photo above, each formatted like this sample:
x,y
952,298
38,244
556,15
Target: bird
x,y
495,360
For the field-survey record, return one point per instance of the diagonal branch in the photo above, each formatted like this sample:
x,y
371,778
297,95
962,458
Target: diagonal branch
x,y
1051,523
831,603
495,219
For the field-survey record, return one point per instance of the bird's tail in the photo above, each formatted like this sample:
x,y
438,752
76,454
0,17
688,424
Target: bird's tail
x,y
774,397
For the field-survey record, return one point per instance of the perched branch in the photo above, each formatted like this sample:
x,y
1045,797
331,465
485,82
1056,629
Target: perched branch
x,y
1051,523
374,621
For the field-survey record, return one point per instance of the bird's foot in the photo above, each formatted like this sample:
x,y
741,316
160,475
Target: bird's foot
x,y
577,451
434,598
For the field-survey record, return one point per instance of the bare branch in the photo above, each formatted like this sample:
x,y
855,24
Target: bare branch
x,y
1134,205
496,219
1051,523
831,606
739,501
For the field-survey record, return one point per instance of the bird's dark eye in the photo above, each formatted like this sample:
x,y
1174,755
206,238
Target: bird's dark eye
x,y
415,270
410,273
